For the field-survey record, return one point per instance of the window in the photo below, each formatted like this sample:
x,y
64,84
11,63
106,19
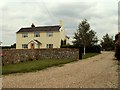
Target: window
x,y
24,45
24,35
49,34
37,34
49,45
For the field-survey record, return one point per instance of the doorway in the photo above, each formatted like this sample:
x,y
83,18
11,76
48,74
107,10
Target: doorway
x,y
32,46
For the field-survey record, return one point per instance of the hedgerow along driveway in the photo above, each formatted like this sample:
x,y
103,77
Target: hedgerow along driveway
x,y
96,72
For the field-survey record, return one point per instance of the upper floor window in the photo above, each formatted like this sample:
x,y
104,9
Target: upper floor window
x,y
37,34
49,34
24,45
24,35
49,45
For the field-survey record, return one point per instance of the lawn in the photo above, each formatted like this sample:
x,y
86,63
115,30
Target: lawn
x,y
36,65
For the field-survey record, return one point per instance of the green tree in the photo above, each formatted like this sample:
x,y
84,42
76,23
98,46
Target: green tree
x,y
107,42
85,36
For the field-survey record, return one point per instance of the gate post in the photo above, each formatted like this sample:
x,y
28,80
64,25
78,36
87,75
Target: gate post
x,y
80,53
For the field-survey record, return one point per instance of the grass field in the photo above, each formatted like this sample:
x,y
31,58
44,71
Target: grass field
x,y
35,65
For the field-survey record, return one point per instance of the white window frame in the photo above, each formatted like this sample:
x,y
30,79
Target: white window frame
x,y
36,34
24,46
24,35
49,34
49,45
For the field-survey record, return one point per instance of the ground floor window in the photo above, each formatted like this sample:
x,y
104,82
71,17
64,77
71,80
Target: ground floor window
x,y
24,45
49,45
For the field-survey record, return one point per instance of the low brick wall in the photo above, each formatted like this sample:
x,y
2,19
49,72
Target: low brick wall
x,y
22,55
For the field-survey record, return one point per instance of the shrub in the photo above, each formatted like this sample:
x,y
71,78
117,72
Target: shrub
x,y
117,53
93,49
69,46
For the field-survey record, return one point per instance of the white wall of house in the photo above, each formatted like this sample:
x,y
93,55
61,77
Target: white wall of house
x,y
44,39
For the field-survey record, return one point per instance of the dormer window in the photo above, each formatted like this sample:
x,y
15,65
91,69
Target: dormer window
x,y
24,35
37,34
49,34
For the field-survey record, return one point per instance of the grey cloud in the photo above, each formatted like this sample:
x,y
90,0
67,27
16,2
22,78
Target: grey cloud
x,y
16,15
72,10
119,16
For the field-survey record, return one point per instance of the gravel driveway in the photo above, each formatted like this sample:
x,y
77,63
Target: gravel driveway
x,y
97,72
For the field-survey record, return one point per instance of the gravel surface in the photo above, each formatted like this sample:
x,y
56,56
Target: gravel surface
x,y
97,72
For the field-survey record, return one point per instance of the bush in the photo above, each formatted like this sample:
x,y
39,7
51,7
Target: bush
x,y
117,52
69,46
94,49
6,47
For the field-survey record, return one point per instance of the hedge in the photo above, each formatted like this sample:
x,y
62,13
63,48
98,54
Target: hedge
x,y
89,49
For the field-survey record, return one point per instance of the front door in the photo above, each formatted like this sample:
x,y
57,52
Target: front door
x,y
32,46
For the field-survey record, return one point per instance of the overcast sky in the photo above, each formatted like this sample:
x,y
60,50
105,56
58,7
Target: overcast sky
x,y
101,14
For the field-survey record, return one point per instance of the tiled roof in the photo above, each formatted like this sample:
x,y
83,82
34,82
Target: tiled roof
x,y
42,28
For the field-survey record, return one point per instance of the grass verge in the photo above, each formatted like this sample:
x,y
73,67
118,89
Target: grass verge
x,y
30,66
88,55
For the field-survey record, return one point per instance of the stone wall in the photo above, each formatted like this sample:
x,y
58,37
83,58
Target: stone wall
x,y
22,55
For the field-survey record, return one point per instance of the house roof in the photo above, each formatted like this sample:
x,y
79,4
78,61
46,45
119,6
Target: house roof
x,y
42,28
